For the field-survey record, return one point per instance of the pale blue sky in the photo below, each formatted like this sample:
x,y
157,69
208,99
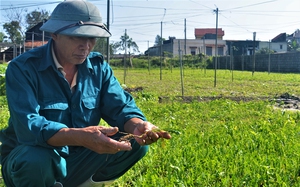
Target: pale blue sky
x,y
142,19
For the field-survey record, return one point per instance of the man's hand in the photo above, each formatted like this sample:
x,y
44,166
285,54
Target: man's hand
x,y
149,133
98,139
95,138
145,132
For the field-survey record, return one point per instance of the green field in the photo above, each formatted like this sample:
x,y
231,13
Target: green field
x,y
224,135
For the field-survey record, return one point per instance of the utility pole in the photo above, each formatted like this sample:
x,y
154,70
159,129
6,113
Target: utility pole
x,y
107,44
269,63
32,39
253,66
231,56
184,36
125,56
216,47
161,43
181,68
148,59
204,48
43,40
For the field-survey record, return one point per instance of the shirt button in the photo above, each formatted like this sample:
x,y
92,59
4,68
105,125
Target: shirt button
x,y
74,106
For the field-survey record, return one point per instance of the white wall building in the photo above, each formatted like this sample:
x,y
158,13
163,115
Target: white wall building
x,y
278,47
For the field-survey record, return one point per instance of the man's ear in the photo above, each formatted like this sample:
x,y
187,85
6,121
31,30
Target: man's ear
x,y
54,36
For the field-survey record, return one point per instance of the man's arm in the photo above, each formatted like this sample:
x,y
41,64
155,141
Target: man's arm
x,y
95,138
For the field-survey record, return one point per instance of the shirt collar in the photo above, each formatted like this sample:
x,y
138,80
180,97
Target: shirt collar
x,y
57,64
61,69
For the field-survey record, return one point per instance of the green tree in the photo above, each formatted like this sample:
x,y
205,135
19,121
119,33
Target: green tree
x,y
19,21
126,43
101,47
35,17
13,29
264,50
2,36
15,26
293,45
158,40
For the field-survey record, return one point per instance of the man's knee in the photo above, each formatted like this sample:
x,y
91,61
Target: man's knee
x,y
140,150
37,157
33,163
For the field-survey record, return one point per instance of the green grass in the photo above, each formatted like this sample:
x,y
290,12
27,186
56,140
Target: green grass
x,y
220,142
198,82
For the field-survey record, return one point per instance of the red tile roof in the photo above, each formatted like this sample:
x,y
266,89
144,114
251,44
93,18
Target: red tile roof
x,y
35,43
202,32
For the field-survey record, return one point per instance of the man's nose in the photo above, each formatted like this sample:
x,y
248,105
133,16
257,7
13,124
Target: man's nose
x,y
85,43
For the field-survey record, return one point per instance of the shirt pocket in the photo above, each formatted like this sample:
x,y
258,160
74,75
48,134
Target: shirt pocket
x,y
90,102
55,110
91,112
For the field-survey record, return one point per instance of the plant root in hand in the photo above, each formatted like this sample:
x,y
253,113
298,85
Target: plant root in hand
x,y
129,136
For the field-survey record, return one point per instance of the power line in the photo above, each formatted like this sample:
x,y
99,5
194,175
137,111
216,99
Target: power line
x,y
26,5
246,6
144,20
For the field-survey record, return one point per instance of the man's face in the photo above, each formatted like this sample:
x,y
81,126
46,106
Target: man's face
x,y
71,49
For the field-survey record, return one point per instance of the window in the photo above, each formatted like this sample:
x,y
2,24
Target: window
x,y
220,51
209,51
193,50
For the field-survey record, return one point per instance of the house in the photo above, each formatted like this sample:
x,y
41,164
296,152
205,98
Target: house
x,y
295,36
33,38
241,47
208,37
208,33
204,42
245,47
8,51
277,44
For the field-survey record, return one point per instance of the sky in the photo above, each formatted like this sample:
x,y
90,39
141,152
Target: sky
x,y
143,20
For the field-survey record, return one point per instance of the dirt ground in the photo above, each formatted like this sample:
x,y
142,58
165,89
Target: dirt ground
x,y
282,101
287,101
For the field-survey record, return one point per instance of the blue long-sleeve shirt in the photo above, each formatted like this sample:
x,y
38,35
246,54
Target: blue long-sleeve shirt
x,y
41,102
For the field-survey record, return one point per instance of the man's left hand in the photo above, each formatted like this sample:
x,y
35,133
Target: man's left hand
x,y
149,133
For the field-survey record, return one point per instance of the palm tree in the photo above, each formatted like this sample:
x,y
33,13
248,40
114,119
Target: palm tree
x,y
126,43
